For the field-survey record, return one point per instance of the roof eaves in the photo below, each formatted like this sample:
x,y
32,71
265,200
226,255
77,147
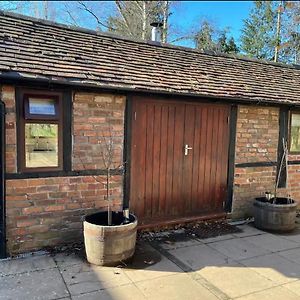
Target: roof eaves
x,y
76,82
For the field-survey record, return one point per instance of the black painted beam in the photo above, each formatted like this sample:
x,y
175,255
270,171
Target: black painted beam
x,y
231,158
2,183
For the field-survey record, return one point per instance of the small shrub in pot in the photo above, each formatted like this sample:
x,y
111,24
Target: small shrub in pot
x,y
275,213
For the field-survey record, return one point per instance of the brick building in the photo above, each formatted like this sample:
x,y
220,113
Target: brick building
x,y
198,135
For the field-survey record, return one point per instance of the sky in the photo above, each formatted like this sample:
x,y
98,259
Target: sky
x,y
222,13
186,15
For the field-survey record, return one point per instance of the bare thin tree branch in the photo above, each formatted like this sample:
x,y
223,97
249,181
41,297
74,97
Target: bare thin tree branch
x,y
84,7
187,37
123,16
67,10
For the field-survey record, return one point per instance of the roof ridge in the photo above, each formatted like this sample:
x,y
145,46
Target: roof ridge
x,y
151,43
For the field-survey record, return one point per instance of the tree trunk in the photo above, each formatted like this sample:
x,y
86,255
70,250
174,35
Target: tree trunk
x,y
144,21
165,21
278,29
109,212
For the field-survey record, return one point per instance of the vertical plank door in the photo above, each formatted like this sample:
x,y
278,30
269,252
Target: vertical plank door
x,y
179,156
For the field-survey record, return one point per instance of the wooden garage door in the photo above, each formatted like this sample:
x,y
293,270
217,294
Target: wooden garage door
x,y
179,156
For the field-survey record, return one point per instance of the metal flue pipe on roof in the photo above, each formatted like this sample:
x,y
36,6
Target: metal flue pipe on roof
x,y
156,31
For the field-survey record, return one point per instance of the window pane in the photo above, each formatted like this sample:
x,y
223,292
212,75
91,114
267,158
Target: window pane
x,y
295,133
41,145
42,106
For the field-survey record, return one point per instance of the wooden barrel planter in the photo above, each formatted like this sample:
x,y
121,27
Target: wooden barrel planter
x,y
278,217
109,245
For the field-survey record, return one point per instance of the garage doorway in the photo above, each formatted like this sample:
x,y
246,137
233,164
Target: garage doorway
x,y
179,159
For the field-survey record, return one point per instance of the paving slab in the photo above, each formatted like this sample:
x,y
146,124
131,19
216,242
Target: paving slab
x,y
200,256
150,266
292,255
83,278
124,292
274,267
175,287
235,281
65,260
44,284
272,243
292,236
294,287
170,244
248,265
238,248
26,264
248,230
276,293
217,238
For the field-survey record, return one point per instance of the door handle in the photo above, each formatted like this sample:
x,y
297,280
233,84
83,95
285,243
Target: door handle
x,y
186,149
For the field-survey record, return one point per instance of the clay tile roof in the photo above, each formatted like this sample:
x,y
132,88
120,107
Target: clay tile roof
x,y
32,48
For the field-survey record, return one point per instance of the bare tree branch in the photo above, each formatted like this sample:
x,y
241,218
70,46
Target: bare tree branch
x,y
123,16
187,37
84,7
68,11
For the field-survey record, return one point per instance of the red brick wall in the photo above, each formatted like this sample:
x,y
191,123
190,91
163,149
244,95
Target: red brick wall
x,y
250,183
8,97
257,134
257,141
48,211
95,118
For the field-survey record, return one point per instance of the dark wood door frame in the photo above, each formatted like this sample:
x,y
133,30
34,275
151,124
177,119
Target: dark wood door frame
x,y
2,182
231,156
127,152
128,140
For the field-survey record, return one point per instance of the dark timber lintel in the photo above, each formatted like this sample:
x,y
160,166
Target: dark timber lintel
x,y
61,174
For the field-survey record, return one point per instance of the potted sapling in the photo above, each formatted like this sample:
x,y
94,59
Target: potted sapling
x,y
275,213
109,236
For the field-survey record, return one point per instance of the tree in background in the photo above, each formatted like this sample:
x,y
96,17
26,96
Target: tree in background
x,y
133,18
44,10
127,18
204,38
227,45
289,47
210,38
38,9
14,6
272,31
258,37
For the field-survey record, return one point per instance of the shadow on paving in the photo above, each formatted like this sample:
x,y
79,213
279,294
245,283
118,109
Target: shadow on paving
x,y
177,265
244,264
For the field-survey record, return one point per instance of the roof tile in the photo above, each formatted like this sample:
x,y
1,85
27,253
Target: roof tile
x,y
35,48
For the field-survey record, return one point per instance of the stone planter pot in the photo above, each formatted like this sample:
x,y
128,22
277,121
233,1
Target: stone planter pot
x,y
109,245
279,217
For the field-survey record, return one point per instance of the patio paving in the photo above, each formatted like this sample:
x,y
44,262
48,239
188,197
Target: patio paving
x,y
251,264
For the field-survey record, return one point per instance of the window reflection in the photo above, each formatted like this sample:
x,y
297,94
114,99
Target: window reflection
x,y
42,106
295,133
41,145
